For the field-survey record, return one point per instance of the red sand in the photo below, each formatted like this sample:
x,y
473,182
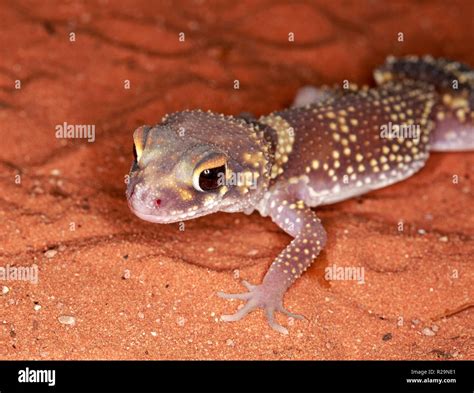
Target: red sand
x,y
167,307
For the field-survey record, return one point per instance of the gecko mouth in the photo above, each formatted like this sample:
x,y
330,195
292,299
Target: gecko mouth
x,y
149,206
150,217
168,218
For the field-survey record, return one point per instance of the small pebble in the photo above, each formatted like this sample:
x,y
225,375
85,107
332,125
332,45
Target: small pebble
x,y
55,172
387,337
5,290
181,321
443,239
428,332
421,232
141,315
252,253
210,249
67,320
154,334
50,253
62,248
230,343
435,328
36,307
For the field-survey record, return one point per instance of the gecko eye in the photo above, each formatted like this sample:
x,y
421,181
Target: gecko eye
x,y
139,139
211,179
135,156
210,175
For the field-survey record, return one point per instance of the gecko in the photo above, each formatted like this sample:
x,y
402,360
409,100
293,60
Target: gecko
x,y
331,145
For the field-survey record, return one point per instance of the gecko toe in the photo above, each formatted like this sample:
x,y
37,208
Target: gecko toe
x,y
289,314
250,306
271,321
247,285
240,296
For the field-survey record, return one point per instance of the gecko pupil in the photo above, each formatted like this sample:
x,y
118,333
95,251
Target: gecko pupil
x,y
211,178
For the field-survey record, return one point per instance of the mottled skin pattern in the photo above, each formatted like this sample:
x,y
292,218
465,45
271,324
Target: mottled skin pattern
x,y
331,147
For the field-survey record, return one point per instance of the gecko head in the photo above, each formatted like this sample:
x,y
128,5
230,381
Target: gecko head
x,y
195,163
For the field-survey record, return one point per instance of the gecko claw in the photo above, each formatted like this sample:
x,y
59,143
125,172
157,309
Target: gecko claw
x,y
259,297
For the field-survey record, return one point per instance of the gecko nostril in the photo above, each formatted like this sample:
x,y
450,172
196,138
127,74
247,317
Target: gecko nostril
x,y
158,202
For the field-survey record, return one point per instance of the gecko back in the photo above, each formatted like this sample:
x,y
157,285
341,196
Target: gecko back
x,y
453,112
346,142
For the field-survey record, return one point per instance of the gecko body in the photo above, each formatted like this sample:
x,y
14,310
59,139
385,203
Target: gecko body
x,y
334,145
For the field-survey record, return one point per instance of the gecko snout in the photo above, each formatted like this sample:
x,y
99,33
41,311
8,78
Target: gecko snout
x,y
143,199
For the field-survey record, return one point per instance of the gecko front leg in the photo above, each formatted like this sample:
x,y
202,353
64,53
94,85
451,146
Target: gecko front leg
x,y
299,221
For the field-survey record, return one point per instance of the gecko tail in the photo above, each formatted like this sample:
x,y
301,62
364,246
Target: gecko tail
x,y
453,111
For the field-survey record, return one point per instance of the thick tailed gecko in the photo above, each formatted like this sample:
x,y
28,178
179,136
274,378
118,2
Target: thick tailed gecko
x,y
333,145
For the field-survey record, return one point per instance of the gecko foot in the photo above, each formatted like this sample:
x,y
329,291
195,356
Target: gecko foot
x,y
259,296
